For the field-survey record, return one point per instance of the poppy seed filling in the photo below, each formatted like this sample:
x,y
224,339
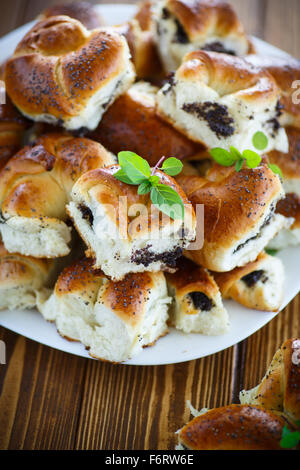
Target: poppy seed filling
x,y
145,257
86,214
252,278
216,115
201,301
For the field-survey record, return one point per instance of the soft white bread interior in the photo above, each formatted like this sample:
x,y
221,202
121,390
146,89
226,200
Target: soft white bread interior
x,y
124,232
258,285
222,101
197,305
114,320
182,27
21,277
62,73
35,187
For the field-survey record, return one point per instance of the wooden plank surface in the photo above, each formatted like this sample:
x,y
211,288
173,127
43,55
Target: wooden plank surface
x,y
53,400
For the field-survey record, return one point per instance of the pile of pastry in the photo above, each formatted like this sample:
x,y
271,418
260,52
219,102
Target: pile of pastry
x,y
177,80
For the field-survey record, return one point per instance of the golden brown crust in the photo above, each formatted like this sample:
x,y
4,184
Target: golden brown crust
x,y
37,180
59,65
202,16
227,74
81,11
139,129
189,277
285,71
144,15
235,427
18,271
126,298
289,163
280,388
108,190
246,193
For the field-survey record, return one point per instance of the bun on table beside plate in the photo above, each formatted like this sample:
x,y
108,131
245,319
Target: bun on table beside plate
x,y
280,387
220,101
128,238
114,320
239,218
133,119
197,304
182,27
258,422
62,73
35,187
81,11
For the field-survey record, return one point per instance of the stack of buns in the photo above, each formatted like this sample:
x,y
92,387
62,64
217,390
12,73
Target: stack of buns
x,y
176,80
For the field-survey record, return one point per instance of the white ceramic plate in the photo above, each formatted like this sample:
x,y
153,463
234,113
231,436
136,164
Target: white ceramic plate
x,y
176,346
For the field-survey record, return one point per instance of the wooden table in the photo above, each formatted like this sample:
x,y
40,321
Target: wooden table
x,y
53,400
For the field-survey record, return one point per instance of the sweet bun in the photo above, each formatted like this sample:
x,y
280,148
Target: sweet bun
x,y
235,427
290,205
197,306
258,285
239,219
184,26
61,73
280,388
81,11
131,123
286,72
221,101
21,277
124,232
35,186
114,320
12,127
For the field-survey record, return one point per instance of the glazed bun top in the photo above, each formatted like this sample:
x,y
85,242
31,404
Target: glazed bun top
x,y
81,11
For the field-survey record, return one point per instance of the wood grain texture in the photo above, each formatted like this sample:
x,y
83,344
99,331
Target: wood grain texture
x,y
53,400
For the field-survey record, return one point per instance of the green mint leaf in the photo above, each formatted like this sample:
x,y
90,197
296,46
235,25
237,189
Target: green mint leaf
x,y
276,170
297,423
239,164
122,176
260,140
144,187
172,166
167,201
136,168
222,156
235,153
271,251
154,180
252,158
289,439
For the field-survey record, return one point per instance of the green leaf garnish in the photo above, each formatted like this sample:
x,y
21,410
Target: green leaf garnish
x,y
168,201
136,171
172,166
136,168
144,187
252,158
289,439
239,164
275,169
235,153
271,251
260,140
222,156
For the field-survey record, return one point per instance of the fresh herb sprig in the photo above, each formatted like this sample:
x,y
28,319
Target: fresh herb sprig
x,y
252,159
135,170
290,439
